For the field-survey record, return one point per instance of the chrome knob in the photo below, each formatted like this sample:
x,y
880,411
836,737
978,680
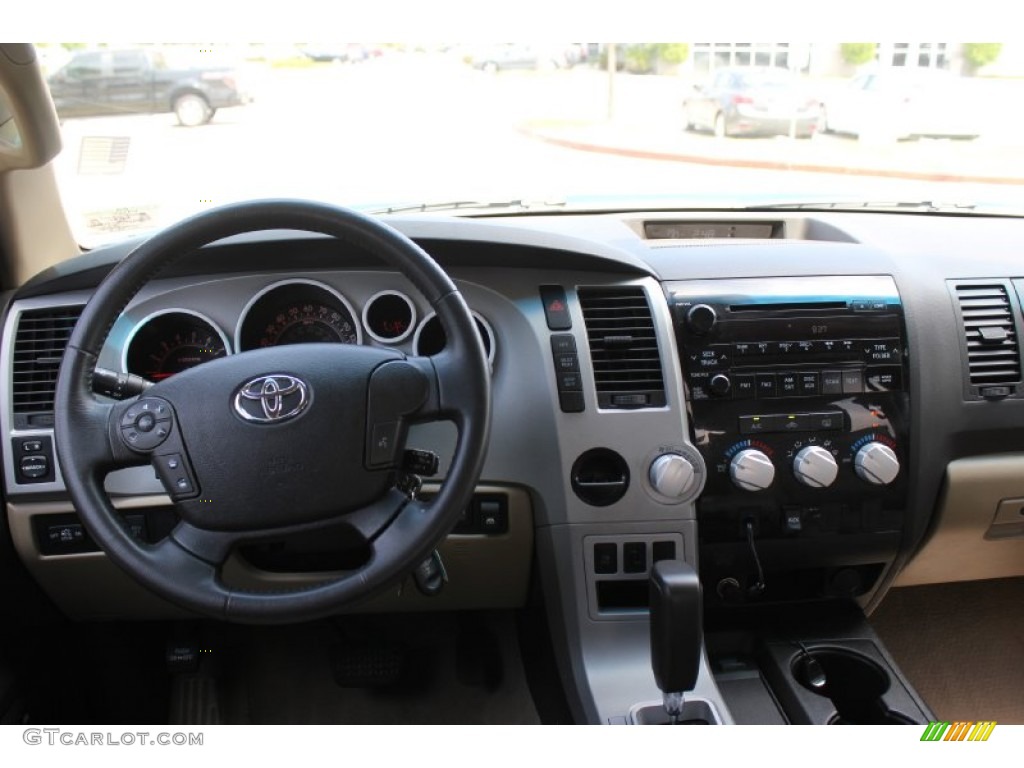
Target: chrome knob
x,y
672,475
752,470
815,467
877,464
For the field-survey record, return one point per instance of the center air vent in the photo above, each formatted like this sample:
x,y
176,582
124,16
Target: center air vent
x,y
623,347
993,357
39,346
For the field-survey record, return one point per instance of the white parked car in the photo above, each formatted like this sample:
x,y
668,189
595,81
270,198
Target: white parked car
x,y
904,103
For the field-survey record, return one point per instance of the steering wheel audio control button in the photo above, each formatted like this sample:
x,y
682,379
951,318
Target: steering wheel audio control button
x,y
146,424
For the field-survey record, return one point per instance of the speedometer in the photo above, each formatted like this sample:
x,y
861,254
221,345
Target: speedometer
x,y
297,312
171,342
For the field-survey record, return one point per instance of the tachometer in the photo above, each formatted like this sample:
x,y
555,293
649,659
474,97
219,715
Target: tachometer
x,y
297,312
171,342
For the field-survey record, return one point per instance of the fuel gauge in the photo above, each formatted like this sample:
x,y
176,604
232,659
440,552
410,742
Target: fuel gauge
x,y
389,317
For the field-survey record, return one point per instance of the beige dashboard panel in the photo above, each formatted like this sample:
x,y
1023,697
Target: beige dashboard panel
x,y
484,571
979,530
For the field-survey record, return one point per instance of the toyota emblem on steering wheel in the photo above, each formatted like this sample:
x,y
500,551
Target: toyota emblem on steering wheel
x,y
272,399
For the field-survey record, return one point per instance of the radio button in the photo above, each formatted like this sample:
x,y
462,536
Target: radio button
x,y
784,347
885,379
848,347
882,351
789,384
831,382
853,382
827,346
712,358
808,384
767,385
744,348
806,347
744,385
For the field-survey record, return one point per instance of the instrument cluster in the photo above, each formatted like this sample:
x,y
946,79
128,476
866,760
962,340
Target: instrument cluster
x,y
294,311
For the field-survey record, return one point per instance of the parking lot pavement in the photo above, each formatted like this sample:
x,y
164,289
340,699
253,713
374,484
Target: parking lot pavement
x,y
976,160
647,127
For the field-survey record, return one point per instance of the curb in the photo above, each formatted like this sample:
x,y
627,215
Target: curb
x,y
677,157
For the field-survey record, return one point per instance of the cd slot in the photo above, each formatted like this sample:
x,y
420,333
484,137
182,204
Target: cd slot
x,y
788,306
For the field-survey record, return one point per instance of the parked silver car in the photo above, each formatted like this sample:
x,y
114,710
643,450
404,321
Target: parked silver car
x,y
763,101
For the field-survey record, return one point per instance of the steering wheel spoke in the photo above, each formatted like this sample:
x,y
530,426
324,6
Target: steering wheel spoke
x,y
212,547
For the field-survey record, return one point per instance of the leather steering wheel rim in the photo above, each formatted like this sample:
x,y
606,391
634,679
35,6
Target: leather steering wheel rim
x,y
185,567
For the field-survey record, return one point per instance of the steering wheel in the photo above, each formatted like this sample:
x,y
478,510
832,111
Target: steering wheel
x,y
256,446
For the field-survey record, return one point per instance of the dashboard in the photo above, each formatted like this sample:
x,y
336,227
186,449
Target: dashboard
x,y
798,411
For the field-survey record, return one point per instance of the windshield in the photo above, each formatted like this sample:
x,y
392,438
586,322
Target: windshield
x,y
155,133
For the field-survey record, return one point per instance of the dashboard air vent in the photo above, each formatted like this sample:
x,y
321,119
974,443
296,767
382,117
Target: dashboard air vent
x,y
993,356
39,345
623,347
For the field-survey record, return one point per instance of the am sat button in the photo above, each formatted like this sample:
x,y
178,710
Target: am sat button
x,y
789,384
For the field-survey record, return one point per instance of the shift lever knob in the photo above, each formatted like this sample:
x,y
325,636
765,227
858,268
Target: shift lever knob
x,y
676,629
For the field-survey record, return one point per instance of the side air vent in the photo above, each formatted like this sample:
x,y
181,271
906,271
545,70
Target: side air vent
x,y
39,345
993,354
623,347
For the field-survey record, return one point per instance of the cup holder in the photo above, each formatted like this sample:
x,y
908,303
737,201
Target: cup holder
x,y
854,683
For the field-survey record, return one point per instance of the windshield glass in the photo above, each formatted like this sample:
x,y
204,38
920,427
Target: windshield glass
x,y
155,133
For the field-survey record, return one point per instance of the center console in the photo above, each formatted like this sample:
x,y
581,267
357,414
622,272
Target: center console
x,y
798,404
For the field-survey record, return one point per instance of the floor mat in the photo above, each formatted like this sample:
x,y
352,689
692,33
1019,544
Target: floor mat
x,y
961,645
428,669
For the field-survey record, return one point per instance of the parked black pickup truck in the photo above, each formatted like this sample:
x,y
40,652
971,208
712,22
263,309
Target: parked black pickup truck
x,y
111,82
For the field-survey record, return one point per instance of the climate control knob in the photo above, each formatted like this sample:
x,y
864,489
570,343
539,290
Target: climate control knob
x,y
876,463
815,467
751,470
672,475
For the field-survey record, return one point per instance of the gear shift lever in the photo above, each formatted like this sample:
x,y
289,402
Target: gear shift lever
x,y
676,631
